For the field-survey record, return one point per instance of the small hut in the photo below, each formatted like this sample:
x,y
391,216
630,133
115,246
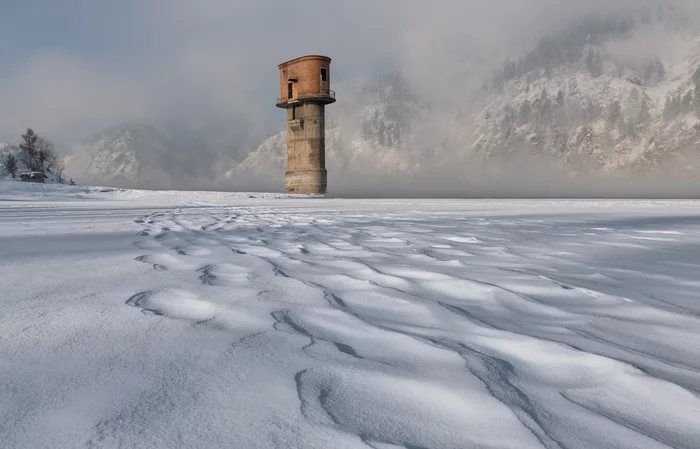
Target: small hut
x,y
32,176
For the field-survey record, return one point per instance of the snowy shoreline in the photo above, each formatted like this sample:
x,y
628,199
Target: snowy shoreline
x,y
210,319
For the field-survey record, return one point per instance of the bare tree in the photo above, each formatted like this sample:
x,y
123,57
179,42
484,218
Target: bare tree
x,y
10,164
58,169
46,155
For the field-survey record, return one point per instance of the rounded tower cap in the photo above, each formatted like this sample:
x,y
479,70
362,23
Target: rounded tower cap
x,y
302,58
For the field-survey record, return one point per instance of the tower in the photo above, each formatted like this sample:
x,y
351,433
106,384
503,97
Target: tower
x,y
304,92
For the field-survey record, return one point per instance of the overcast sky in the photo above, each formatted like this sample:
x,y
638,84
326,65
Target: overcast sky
x,y
79,64
70,67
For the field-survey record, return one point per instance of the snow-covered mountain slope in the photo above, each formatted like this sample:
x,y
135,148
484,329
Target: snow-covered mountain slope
x,y
135,319
594,105
607,96
271,155
371,135
110,156
143,155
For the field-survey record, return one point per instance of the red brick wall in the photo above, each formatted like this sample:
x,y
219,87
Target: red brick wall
x,y
307,71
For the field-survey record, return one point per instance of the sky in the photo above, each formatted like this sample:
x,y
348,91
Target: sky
x,y
84,64
70,68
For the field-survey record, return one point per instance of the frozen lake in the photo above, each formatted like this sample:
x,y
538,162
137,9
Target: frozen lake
x,y
207,320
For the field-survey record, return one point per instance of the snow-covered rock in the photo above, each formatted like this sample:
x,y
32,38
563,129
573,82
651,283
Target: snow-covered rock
x,y
596,109
143,155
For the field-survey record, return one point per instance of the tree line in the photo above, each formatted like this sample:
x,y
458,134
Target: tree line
x,y
37,154
580,44
684,102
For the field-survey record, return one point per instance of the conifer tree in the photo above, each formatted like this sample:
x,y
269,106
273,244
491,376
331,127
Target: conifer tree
x,y
29,150
10,164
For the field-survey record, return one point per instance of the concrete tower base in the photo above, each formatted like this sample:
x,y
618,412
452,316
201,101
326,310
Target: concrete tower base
x,y
306,149
307,182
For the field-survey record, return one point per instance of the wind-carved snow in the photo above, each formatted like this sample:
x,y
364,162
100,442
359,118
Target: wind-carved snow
x,y
349,323
174,303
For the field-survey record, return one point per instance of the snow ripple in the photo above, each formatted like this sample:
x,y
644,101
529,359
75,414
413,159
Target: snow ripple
x,y
474,343
305,327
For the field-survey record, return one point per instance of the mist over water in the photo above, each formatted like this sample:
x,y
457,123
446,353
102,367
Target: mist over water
x,y
520,179
213,64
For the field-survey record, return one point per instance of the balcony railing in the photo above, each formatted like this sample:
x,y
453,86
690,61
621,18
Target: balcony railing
x,y
328,93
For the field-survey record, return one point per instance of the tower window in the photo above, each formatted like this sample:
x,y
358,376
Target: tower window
x,y
324,74
290,90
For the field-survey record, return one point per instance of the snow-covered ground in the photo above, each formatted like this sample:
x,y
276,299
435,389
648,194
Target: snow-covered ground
x,y
209,320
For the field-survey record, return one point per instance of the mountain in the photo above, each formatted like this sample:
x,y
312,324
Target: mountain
x,y
608,96
146,156
591,101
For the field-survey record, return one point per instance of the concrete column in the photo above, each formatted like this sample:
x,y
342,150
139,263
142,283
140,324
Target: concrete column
x,y
306,149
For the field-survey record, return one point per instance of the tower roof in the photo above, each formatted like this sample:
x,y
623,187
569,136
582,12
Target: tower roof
x,y
301,58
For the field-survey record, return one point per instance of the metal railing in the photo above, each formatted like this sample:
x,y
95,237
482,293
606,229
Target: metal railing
x,y
328,93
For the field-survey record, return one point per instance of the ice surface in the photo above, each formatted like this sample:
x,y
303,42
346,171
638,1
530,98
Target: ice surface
x,y
194,319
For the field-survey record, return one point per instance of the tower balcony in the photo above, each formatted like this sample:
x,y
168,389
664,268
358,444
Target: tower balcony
x,y
326,96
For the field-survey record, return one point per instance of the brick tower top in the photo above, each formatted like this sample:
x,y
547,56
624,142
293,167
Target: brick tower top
x,y
305,80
